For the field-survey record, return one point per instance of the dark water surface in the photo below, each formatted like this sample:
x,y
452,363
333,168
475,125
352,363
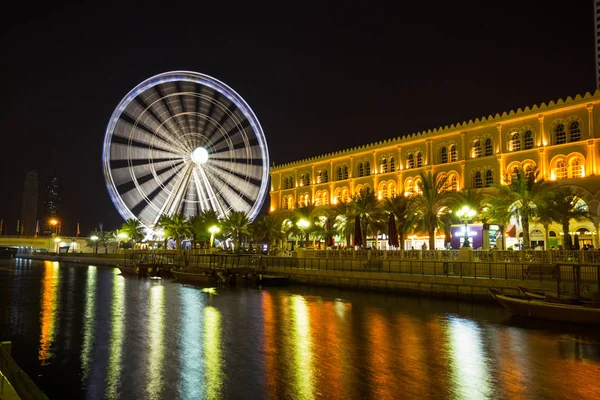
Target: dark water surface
x,y
88,332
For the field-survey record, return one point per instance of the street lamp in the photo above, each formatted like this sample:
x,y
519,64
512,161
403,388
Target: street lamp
x,y
303,224
213,231
466,214
95,240
54,223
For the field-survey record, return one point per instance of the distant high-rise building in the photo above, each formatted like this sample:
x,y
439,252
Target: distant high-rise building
x,y
52,203
30,204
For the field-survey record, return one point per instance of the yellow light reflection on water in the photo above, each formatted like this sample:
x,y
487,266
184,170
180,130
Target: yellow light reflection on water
x,y
302,348
270,336
117,334
49,303
213,353
190,339
156,343
89,322
470,372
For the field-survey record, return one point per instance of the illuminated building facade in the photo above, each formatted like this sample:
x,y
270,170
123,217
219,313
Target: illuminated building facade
x,y
52,203
560,138
30,204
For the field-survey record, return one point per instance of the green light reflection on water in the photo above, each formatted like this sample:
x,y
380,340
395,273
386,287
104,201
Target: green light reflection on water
x,y
156,342
89,322
190,339
302,350
117,334
470,372
213,352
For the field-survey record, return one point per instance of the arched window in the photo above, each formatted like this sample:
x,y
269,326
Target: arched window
x,y
383,194
409,187
345,172
489,178
574,132
383,168
453,153
454,183
418,184
528,171
392,164
477,149
345,195
528,140
410,162
325,175
325,198
419,160
515,142
339,173
444,155
367,168
489,148
576,168
361,170
318,199
443,182
391,190
560,135
478,182
561,170
338,196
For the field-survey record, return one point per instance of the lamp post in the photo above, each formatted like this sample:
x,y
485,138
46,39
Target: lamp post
x,y
95,240
57,241
466,214
54,223
213,231
303,224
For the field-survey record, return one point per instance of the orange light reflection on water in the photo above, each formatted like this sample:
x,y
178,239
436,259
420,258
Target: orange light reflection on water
x,y
270,342
380,354
411,356
49,303
303,372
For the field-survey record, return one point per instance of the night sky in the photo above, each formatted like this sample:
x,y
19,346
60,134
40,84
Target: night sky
x,y
319,79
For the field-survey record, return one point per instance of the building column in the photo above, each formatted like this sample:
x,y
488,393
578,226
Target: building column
x,y
543,162
590,167
501,167
464,151
428,160
545,139
331,180
590,109
400,163
499,148
311,182
462,175
351,176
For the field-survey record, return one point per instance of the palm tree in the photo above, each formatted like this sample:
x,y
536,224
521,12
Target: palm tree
x,y
432,206
266,229
235,225
104,239
561,207
496,215
402,207
201,224
93,243
521,197
133,229
367,208
343,221
177,227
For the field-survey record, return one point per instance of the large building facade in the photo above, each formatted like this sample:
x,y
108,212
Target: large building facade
x,y
560,138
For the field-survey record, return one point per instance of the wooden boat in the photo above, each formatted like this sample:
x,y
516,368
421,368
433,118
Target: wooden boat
x,y
550,297
138,270
535,308
271,280
194,277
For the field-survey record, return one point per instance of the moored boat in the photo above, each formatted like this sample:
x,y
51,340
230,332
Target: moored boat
x,y
550,297
194,277
138,270
535,308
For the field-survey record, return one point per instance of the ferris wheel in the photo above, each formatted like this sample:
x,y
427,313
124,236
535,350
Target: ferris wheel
x,y
184,142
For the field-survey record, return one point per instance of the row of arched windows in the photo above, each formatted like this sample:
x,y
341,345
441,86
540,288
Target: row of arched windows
x,y
383,167
483,179
451,151
560,135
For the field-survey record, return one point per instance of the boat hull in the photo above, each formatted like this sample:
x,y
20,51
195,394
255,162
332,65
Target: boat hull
x,y
272,280
140,271
550,311
194,277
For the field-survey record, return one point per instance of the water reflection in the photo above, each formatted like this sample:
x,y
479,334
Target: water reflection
x,y
190,341
156,343
48,307
302,348
213,352
117,334
89,322
470,372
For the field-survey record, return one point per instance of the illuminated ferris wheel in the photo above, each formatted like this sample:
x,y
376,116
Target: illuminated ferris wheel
x,y
184,142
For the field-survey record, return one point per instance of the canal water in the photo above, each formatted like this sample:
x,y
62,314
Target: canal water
x,y
89,332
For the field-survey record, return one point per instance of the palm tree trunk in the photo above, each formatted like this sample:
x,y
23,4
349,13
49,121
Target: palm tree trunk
x,y
567,238
431,237
526,241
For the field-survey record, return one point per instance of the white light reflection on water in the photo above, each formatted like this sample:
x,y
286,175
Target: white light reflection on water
x,y
214,372
89,322
190,343
302,348
470,372
156,342
117,334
